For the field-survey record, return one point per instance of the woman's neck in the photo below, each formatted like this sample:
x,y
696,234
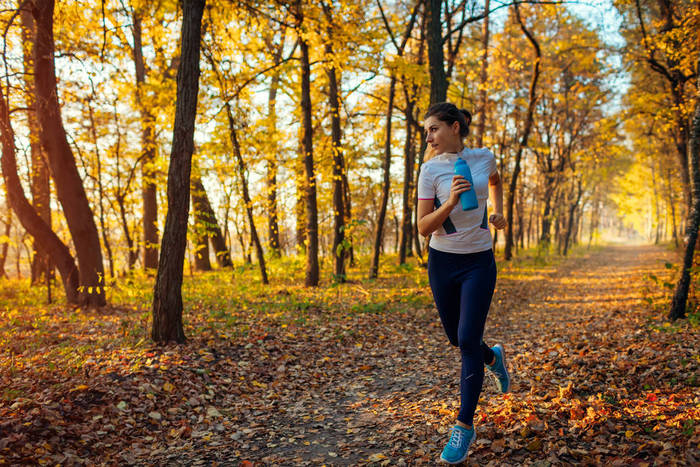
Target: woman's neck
x,y
456,150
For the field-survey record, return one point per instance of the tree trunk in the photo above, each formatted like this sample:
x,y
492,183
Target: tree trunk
x,y
271,159
508,249
213,230
483,80
672,205
167,294
69,186
338,251
680,296
436,56
148,148
44,237
255,239
202,224
6,243
348,217
100,190
300,204
572,213
408,185
379,230
681,137
120,195
40,184
312,266
657,210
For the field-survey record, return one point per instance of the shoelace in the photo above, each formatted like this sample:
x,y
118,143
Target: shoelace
x,y
456,439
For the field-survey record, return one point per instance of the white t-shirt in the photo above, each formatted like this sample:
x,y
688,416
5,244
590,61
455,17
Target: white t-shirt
x,y
463,231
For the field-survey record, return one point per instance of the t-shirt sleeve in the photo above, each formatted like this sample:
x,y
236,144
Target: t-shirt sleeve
x,y
426,188
493,167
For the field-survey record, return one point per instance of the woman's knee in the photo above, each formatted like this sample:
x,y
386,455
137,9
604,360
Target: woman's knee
x,y
470,346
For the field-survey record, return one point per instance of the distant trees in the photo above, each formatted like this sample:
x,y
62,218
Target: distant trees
x,y
662,56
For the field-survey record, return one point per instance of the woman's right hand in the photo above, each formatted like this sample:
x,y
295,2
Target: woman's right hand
x,y
459,186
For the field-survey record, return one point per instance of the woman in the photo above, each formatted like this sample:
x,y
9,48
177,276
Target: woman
x,y
461,265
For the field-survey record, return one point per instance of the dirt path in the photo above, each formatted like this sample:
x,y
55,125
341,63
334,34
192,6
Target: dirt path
x,y
599,379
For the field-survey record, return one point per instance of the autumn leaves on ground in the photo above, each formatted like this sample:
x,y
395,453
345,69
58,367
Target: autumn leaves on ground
x,y
356,374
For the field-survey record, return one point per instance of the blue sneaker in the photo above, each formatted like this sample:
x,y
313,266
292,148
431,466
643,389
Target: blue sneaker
x,y
499,369
458,446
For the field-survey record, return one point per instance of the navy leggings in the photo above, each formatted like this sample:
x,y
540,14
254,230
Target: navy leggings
x,y
462,287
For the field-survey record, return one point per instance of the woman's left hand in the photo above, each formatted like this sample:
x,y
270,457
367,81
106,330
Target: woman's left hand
x,y
498,220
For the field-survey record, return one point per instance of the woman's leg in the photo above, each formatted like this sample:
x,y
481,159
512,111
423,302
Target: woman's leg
x,y
476,293
446,292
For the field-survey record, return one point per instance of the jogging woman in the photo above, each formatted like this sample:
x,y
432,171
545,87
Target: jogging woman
x,y
461,265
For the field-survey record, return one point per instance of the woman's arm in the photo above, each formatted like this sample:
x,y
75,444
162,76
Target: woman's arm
x,y
429,218
496,196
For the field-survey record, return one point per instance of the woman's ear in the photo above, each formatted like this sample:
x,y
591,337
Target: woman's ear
x,y
455,127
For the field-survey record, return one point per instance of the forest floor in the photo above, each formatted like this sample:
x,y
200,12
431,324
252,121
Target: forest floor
x,y
356,374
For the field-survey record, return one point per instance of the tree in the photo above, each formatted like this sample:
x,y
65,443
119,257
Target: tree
x,y
148,144
436,55
167,293
386,164
510,194
312,266
41,191
680,295
69,186
208,220
338,250
47,241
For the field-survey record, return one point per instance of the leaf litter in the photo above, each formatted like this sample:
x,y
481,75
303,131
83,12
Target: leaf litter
x,y
325,376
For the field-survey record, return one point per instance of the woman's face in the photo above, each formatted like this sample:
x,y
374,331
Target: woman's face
x,y
442,137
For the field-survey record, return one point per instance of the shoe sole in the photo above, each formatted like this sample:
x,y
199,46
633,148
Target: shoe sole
x,y
505,368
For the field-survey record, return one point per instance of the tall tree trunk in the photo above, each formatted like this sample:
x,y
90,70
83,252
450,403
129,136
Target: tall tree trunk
x,y
508,249
203,205
69,186
6,243
44,237
271,159
483,79
202,224
167,294
672,206
403,241
254,238
682,143
120,196
657,210
436,55
572,213
680,297
300,204
338,251
386,165
40,184
148,148
406,201
347,202
100,190
312,266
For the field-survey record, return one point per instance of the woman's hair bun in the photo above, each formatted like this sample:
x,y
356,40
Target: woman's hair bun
x,y
464,131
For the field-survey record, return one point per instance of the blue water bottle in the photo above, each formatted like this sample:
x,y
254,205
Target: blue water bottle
x,y
468,198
